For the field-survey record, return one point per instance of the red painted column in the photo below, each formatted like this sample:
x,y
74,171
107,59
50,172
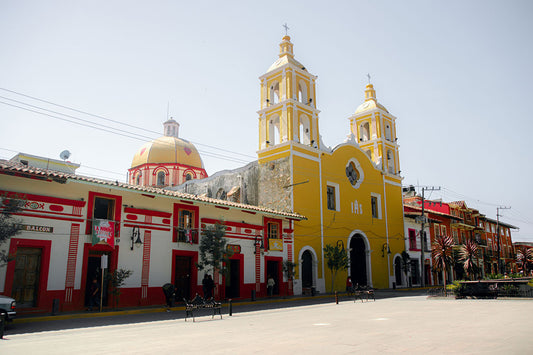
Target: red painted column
x,y
257,269
71,261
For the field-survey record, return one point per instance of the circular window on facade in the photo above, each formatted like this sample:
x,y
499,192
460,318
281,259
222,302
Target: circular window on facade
x,y
354,173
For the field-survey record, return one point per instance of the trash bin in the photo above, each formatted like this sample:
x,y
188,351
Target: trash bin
x,y
253,295
55,306
313,291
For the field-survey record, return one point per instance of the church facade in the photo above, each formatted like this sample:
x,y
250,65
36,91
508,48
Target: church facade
x,y
351,194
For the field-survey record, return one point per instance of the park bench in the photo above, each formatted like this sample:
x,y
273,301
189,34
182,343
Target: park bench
x,y
198,303
363,291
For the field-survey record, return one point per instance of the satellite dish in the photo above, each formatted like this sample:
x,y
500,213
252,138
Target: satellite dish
x,y
64,155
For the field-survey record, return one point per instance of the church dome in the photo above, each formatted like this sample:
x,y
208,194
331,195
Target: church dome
x,y
168,149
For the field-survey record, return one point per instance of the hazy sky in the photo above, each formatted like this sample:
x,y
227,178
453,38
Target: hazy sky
x,y
456,74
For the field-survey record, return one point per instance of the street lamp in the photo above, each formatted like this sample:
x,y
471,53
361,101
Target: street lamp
x,y
136,238
385,247
258,241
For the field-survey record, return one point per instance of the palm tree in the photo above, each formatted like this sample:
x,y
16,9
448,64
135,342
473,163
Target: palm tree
x,y
524,256
468,255
442,254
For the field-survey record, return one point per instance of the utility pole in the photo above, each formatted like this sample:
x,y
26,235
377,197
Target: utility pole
x,y
498,235
422,233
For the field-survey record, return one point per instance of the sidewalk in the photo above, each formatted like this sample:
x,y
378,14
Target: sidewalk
x,y
275,302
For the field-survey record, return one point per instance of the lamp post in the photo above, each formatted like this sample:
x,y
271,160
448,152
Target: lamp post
x,y
385,247
258,241
136,237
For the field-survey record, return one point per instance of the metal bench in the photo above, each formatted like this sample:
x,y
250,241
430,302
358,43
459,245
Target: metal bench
x,y
363,291
198,303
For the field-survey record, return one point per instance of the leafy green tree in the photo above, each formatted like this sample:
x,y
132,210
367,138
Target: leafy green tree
x,y
213,253
336,259
288,269
406,266
9,225
117,278
442,254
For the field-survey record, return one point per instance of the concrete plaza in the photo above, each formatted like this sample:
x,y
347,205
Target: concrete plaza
x,y
393,325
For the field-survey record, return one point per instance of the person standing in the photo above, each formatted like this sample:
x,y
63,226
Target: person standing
x,y
210,287
206,286
94,295
270,285
170,292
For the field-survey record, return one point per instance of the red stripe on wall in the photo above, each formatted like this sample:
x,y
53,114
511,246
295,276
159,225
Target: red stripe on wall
x,y
147,245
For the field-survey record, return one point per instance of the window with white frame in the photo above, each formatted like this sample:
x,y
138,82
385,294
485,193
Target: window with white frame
x,y
333,196
375,200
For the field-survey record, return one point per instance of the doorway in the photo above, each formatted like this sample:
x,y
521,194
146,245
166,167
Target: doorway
x,y
182,278
233,279
94,271
398,270
26,277
273,270
358,261
307,270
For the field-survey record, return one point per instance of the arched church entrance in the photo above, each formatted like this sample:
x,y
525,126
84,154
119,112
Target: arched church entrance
x,y
358,271
307,271
398,270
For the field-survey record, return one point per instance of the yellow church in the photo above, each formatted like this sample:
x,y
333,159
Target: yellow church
x,y
351,194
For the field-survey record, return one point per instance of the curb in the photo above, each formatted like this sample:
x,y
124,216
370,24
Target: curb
x,y
45,318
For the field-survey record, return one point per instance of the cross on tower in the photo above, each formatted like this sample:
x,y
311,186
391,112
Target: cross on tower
x,y
286,28
368,76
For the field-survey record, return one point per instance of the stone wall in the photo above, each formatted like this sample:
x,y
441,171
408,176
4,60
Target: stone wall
x,y
265,185
242,182
275,181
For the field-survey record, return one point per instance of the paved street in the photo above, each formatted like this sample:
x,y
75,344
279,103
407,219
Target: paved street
x,y
407,324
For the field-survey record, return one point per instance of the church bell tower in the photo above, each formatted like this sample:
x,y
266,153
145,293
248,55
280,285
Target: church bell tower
x,y
288,113
375,130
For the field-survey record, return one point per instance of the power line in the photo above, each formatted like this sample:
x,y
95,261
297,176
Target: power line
x,y
124,133
111,120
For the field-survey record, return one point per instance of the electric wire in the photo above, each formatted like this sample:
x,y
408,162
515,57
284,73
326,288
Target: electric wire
x,y
116,121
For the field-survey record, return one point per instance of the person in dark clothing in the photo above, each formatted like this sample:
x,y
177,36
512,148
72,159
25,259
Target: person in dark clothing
x,y
170,292
209,286
94,295
205,286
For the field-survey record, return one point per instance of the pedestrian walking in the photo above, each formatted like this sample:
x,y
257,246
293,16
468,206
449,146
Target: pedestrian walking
x,y
270,285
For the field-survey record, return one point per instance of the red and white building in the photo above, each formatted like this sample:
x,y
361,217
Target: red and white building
x,y
154,232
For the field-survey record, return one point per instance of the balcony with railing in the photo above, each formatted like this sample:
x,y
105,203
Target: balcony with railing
x,y
187,236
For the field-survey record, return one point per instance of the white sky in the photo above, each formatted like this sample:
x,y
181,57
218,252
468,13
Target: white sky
x,y
456,74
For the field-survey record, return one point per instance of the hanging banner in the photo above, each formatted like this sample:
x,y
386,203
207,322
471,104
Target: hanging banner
x,y
103,232
275,244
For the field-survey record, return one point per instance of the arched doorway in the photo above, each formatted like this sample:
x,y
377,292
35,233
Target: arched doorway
x,y
307,270
358,253
398,270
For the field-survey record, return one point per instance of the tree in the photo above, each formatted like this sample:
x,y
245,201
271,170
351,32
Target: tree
x,y
337,259
406,266
442,254
213,253
468,255
117,279
9,225
288,269
524,256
